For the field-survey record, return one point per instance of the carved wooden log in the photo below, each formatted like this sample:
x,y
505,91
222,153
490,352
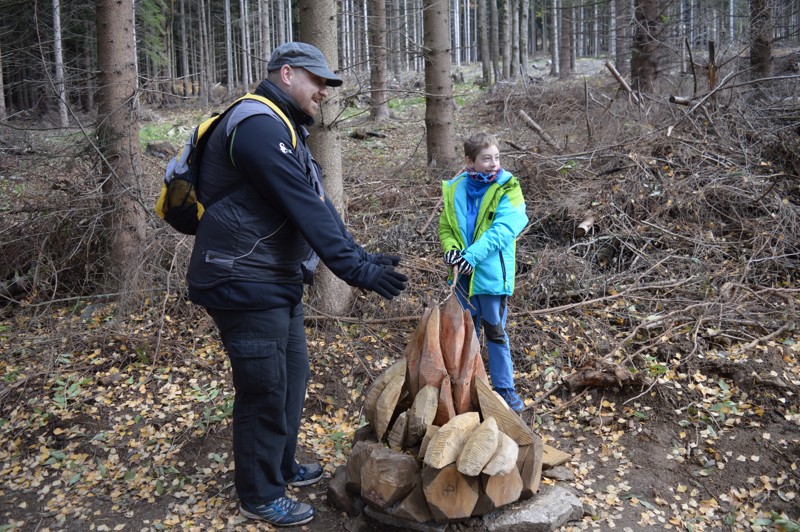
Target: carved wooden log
x,y
388,476
397,436
479,448
358,455
384,408
422,414
429,434
413,353
431,365
462,384
497,491
507,420
529,464
446,444
414,507
452,335
445,410
505,456
377,387
451,496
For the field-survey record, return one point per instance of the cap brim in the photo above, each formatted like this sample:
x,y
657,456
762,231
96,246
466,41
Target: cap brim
x,y
331,79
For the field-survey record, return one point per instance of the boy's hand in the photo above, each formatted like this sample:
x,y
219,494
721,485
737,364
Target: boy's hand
x,y
451,257
464,267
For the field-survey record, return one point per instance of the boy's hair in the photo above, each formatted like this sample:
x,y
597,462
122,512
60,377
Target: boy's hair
x,y
478,142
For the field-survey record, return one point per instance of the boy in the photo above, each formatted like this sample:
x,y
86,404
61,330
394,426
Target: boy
x,y
484,213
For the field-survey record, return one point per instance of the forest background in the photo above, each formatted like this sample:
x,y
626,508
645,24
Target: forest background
x,y
657,142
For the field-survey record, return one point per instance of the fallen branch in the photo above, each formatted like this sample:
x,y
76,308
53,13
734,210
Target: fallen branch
x,y
622,82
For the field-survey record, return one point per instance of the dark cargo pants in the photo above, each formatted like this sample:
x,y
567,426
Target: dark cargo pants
x,y
269,359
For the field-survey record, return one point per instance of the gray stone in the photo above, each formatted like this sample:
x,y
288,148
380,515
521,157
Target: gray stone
x,y
562,473
549,509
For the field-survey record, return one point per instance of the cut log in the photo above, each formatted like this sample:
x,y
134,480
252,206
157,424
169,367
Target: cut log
x,y
384,408
338,495
552,457
452,335
507,420
445,410
462,384
421,414
479,372
414,507
426,440
397,436
497,491
446,444
431,365
374,392
358,455
505,456
413,353
529,464
388,476
451,496
479,448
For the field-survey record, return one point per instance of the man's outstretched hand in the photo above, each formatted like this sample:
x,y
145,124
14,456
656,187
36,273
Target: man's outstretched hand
x,y
389,283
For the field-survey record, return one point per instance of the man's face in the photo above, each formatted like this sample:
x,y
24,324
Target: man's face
x,y
487,160
306,89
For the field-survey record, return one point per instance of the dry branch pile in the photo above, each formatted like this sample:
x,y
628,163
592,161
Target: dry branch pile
x,y
455,449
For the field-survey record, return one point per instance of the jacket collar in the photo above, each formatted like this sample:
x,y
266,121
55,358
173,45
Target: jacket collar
x,y
269,90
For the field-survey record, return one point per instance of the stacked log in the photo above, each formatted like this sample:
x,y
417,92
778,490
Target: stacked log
x,y
446,446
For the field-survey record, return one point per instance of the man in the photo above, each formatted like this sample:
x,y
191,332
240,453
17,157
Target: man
x,y
268,224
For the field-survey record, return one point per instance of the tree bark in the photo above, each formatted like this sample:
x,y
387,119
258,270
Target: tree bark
x,y
379,111
483,37
494,29
439,111
645,50
118,139
318,27
61,93
3,114
761,30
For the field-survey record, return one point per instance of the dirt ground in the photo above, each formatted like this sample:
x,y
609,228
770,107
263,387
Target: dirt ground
x,y
96,433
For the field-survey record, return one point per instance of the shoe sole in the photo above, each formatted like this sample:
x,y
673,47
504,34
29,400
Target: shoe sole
x,y
301,483
257,517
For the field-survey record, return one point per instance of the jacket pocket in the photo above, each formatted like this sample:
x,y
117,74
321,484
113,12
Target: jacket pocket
x,y
220,259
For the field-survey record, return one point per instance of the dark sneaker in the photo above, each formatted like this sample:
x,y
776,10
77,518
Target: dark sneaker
x,y
307,474
280,512
512,399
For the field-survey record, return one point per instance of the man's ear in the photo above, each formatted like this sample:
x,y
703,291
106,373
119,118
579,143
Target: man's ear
x,y
286,74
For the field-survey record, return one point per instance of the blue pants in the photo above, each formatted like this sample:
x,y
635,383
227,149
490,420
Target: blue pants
x,y
269,359
490,312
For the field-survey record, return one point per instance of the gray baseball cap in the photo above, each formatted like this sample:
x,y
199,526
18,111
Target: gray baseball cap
x,y
300,54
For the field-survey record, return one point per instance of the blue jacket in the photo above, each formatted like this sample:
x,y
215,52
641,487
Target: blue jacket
x,y
501,218
255,245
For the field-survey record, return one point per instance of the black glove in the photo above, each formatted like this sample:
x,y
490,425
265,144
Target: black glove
x,y
451,257
389,283
464,267
384,260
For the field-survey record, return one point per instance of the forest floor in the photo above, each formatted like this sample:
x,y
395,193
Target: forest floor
x,y
99,433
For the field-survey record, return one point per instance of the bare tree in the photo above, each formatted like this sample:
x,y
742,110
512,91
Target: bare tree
x,y
645,49
494,31
244,29
61,94
318,27
483,37
2,89
118,139
228,49
378,60
439,111
761,30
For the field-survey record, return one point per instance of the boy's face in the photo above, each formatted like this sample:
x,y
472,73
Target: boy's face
x,y
487,161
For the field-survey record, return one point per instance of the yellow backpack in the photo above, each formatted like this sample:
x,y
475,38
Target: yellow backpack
x,y
178,204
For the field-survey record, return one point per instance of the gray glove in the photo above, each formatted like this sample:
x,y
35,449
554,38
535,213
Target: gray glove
x,y
389,283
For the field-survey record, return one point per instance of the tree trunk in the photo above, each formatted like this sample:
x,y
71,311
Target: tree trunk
x,y
118,139
494,29
185,78
244,29
439,111
644,53
505,39
3,114
761,28
524,37
205,52
623,37
318,27
61,94
379,111
555,39
483,36
515,39
265,47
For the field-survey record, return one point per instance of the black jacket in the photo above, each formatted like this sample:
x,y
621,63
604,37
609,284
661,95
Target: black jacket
x,y
271,215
